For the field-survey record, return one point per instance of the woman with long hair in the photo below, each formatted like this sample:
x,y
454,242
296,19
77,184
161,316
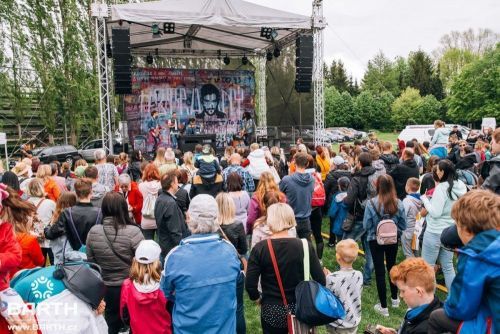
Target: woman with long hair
x,y
385,205
160,157
234,184
112,246
122,163
266,183
438,217
427,181
44,210
149,188
20,214
134,168
188,165
323,161
52,190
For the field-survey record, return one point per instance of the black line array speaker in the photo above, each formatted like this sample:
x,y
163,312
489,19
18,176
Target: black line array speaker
x,y
122,61
303,63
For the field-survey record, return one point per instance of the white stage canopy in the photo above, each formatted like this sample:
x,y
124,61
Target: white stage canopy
x,y
206,27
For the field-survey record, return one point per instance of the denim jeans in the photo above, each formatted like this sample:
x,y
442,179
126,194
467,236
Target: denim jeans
x,y
241,327
432,252
359,233
173,139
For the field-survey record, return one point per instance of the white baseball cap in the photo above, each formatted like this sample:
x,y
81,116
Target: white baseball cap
x,y
338,160
147,252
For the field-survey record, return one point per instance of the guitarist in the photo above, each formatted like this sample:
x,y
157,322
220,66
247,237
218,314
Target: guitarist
x,y
154,128
174,127
247,129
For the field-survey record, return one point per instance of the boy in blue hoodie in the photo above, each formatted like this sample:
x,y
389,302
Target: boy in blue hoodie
x,y
473,303
338,210
412,205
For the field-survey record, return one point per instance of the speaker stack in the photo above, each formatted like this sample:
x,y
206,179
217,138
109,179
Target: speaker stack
x,y
303,63
122,61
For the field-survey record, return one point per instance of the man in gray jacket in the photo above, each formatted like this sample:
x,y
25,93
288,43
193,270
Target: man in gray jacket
x,y
170,221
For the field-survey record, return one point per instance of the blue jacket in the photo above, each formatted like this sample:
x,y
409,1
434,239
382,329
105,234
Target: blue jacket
x,y
475,291
200,276
338,212
371,219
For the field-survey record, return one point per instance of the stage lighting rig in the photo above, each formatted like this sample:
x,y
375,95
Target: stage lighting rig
x,y
269,56
244,60
277,52
155,29
169,28
268,33
226,60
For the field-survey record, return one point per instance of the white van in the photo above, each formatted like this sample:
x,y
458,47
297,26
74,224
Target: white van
x,y
425,132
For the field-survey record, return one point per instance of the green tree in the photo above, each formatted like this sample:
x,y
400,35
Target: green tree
x,y
336,76
381,76
411,108
373,109
474,92
339,109
452,62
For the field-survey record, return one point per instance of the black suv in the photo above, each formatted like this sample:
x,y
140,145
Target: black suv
x,y
63,153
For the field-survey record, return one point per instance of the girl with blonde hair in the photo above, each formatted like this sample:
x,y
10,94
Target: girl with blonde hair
x,y
51,188
188,165
160,157
266,184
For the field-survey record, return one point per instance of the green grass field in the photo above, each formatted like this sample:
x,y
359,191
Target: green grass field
x,y
369,297
382,136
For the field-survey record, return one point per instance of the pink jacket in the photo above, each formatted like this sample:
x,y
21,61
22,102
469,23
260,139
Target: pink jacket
x,y
10,254
148,312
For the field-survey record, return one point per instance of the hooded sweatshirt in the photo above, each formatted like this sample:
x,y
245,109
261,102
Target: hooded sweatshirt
x,y
440,138
467,162
258,164
401,173
412,204
492,181
144,306
298,189
439,206
390,161
98,192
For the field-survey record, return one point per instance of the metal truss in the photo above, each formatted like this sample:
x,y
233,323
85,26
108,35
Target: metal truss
x,y
100,13
261,86
319,100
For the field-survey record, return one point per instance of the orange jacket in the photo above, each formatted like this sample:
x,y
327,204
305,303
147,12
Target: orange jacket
x,y
52,189
31,252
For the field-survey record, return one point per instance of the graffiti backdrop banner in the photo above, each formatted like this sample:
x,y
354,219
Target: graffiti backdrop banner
x,y
216,99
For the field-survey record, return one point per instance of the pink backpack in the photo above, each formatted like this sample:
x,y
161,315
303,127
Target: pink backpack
x,y
387,230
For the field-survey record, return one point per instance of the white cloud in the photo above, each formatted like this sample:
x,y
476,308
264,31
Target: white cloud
x,y
358,29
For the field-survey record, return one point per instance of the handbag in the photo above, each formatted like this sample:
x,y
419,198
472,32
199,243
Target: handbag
x,y
293,324
83,279
315,304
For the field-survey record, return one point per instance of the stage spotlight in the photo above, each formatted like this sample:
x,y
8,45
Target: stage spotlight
x,y
269,56
268,33
155,29
149,59
169,28
277,52
226,60
244,60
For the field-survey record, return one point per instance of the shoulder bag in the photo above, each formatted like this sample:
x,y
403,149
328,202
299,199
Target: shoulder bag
x,y
118,255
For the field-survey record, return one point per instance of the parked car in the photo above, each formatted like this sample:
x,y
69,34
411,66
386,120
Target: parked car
x,y
88,149
425,132
62,153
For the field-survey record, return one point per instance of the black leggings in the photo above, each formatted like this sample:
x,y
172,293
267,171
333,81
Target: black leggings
x,y
112,312
316,220
378,254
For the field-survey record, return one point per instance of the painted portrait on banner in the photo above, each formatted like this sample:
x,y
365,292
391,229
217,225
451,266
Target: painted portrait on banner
x,y
163,101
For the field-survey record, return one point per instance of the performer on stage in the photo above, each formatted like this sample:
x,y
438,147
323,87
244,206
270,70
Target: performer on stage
x,y
154,128
247,128
174,127
191,127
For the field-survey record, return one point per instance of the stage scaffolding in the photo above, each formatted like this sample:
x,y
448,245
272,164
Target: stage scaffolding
x,y
101,14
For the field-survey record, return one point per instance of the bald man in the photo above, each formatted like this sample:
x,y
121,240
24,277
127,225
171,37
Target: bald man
x,y
234,167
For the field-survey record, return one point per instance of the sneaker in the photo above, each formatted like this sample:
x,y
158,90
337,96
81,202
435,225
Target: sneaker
x,y
395,302
381,310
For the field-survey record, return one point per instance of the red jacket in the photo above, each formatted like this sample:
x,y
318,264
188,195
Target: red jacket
x,y
31,252
147,311
134,199
10,258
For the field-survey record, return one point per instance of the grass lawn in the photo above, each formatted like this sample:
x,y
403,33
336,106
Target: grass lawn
x,y
369,298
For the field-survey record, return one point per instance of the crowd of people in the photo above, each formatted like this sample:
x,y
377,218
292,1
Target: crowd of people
x,y
173,243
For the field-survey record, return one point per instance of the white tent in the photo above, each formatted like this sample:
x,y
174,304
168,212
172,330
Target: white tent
x,y
206,26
